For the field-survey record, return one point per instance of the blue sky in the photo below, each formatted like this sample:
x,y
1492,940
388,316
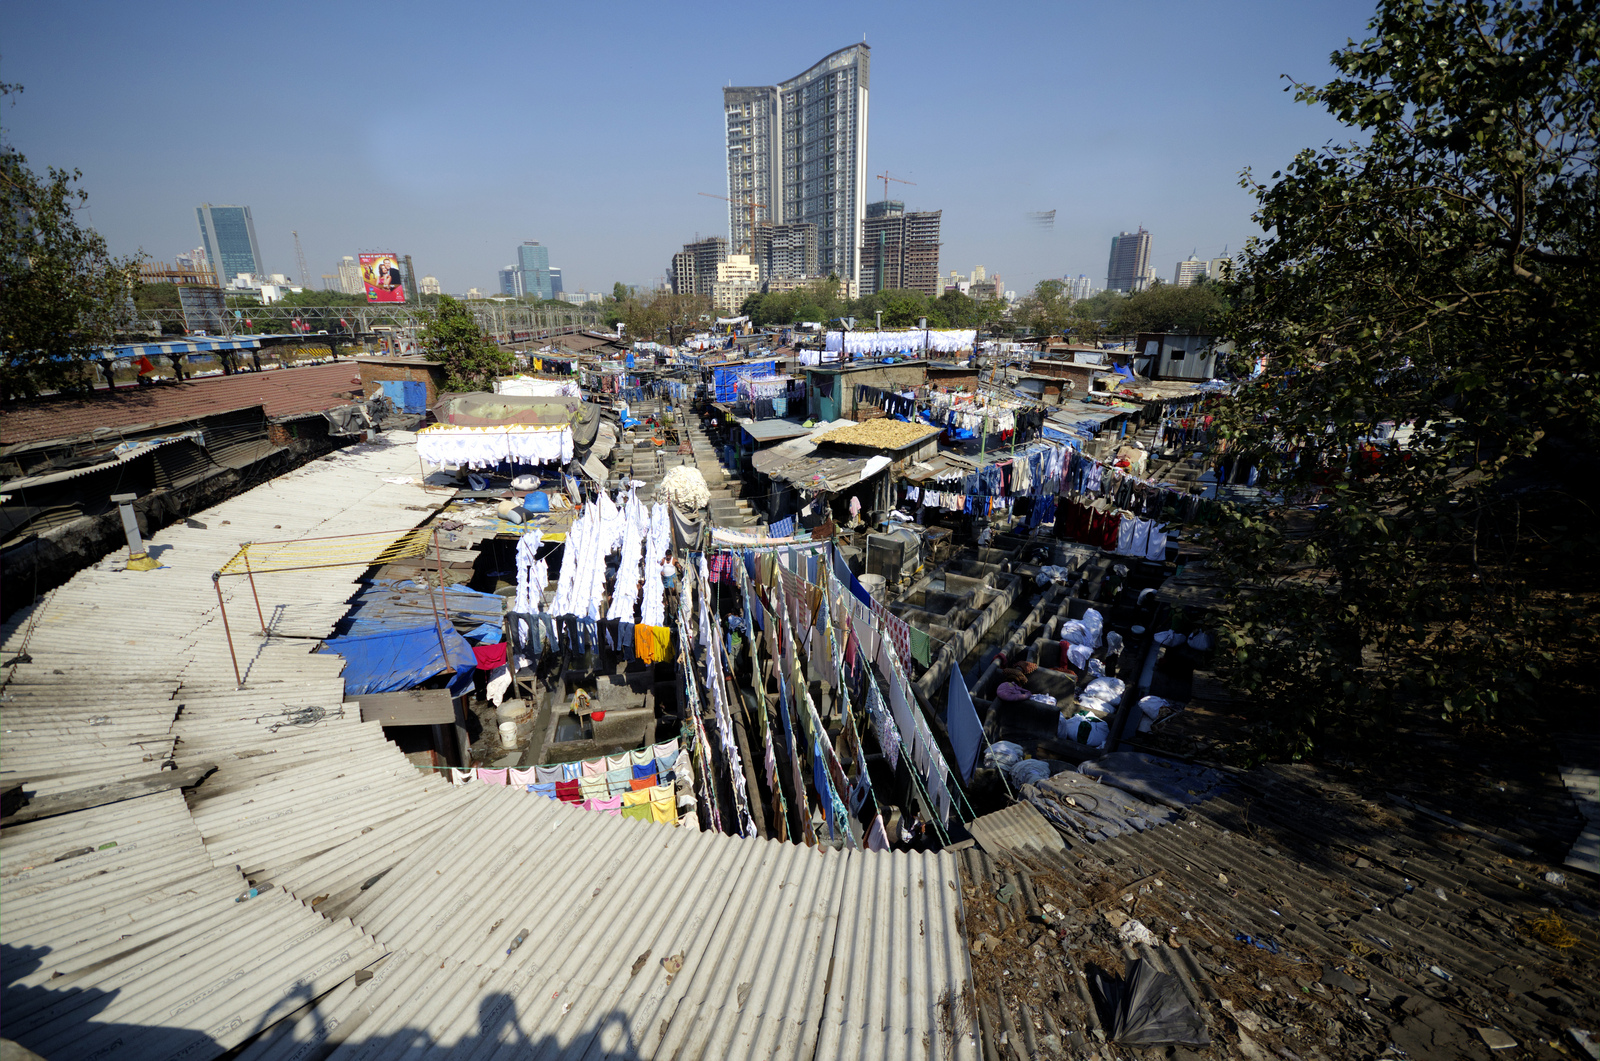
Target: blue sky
x,y
453,133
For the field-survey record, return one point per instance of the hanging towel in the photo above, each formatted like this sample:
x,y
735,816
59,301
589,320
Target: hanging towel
x,y
877,835
521,777
612,807
461,777
491,777
490,657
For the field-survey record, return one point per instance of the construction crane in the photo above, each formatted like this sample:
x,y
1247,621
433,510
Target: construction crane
x,y
300,259
885,178
753,205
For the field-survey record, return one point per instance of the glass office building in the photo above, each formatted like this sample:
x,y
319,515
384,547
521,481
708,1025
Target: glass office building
x,y
533,261
229,236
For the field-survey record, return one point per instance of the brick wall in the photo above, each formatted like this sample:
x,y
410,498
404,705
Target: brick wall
x,y
375,372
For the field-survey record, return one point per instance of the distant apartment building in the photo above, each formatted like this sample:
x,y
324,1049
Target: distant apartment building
x,y
581,298
228,234
1080,286
786,251
737,279
510,279
1188,271
694,269
195,262
533,262
980,285
1129,267
799,149
350,276
1191,269
900,250
555,282
429,285
777,285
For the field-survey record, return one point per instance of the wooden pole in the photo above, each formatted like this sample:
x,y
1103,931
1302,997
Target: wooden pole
x,y
253,592
216,582
438,560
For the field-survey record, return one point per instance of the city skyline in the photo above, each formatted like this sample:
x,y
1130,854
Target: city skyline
x,y
1107,147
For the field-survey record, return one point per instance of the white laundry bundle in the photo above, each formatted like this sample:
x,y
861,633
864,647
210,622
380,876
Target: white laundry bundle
x,y
1083,729
1075,631
1105,690
685,487
1095,623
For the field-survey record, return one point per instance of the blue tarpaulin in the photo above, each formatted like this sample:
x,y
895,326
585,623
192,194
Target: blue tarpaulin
x,y
396,660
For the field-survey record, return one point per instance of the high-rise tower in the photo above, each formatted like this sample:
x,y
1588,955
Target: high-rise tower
x,y
228,234
800,150
1129,267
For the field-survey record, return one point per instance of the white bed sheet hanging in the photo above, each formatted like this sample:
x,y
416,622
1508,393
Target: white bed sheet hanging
x,y
484,447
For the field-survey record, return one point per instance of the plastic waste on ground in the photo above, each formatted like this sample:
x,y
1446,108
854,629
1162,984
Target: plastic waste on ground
x,y
1150,1009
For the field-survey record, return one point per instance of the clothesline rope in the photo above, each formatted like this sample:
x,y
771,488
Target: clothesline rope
x,y
366,549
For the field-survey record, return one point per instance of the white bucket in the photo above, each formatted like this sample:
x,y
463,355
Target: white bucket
x,y
508,734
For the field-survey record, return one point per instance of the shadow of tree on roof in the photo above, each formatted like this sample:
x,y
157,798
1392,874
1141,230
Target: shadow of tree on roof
x,y
62,1023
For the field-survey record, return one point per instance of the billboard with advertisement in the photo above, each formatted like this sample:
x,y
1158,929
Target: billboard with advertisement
x,y
380,273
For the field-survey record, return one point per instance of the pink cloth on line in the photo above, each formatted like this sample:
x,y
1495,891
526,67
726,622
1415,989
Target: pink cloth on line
x,y
521,777
612,806
594,768
491,777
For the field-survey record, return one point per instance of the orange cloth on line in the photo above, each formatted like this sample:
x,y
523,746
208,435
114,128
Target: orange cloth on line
x,y
639,784
653,644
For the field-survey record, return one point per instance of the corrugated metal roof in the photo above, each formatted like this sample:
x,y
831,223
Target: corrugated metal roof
x,y
1013,828
773,430
280,392
770,949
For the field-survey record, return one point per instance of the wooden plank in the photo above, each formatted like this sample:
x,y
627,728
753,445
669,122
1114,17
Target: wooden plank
x,y
99,795
414,707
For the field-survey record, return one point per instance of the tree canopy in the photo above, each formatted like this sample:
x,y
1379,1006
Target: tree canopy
x,y
62,293
1435,279
667,316
820,302
453,339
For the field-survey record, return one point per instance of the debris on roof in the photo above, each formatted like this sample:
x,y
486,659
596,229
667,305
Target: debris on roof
x,y
882,433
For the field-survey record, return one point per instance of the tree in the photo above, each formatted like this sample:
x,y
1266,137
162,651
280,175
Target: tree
x,y
1439,274
668,315
1197,309
453,339
1047,310
159,302
956,310
61,292
620,292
